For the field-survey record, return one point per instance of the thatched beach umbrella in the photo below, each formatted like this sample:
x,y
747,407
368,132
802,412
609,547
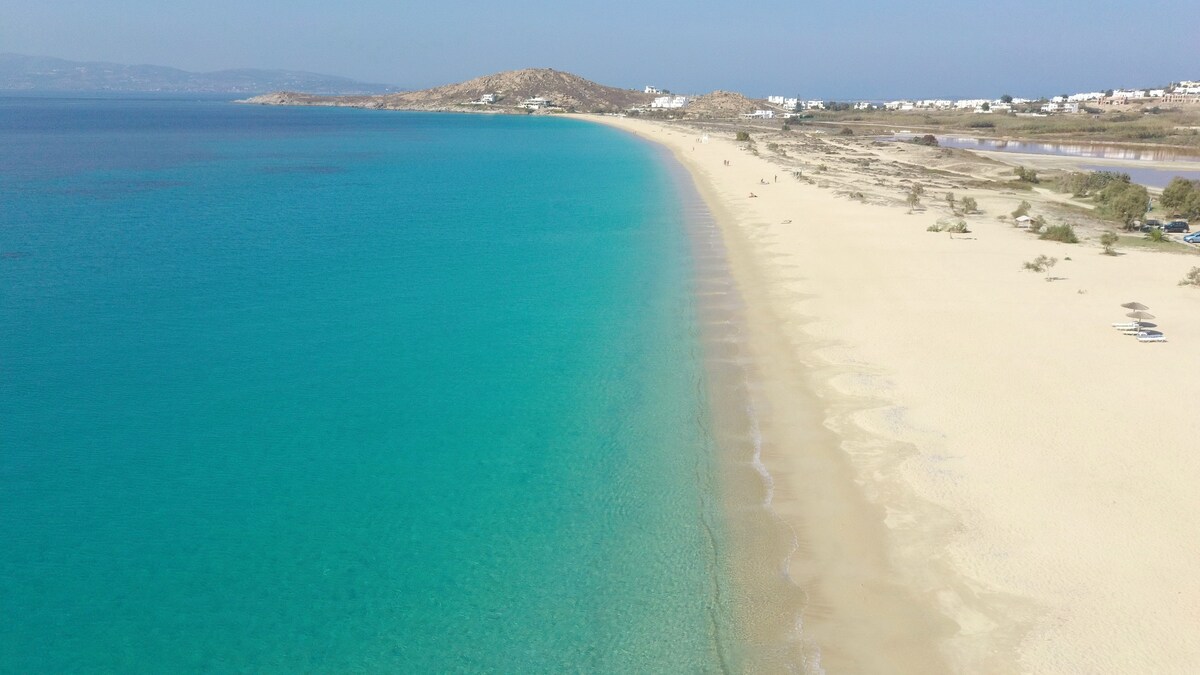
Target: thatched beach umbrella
x,y
1136,306
1139,316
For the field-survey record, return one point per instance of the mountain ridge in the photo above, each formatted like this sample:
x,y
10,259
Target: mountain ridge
x,y
19,72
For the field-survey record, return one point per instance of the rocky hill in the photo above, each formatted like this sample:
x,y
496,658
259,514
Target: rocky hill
x,y
721,104
566,91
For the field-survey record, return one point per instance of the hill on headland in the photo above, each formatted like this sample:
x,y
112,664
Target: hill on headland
x,y
510,89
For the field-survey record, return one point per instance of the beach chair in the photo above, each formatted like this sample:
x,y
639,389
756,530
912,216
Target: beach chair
x,y
1151,337
1127,325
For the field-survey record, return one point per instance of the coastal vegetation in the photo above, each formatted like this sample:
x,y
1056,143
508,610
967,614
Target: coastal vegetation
x,y
1086,183
1181,198
1108,241
969,205
1042,264
1192,278
1115,195
1062,232
1021,210
1026,175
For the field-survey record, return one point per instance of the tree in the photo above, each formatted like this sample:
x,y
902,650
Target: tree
x,y
950,201
1178,193
742,136
1041,264
1108,240
1126,202
1006,99
1026,175
986,106
969,205
914,200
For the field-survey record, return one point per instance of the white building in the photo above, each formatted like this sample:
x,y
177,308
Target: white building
x,y
651,90
863,105
775,100
1060,107
1187,87
814,105
761,114
537,103
669,102
969,103
1086,96
1156,93
487,98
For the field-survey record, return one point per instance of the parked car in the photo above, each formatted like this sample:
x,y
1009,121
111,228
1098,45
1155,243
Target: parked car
x,y
1177,226
1193,238
1151,224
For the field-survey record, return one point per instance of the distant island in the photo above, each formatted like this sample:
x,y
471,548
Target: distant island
x,y
37,73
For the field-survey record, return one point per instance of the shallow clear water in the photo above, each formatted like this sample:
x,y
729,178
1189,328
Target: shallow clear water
x,y
320,390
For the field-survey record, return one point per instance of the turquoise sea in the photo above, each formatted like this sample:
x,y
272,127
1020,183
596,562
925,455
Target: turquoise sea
x,y
329,390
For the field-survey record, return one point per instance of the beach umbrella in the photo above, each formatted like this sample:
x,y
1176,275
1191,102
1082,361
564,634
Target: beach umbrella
x,y
1139,316
1137,306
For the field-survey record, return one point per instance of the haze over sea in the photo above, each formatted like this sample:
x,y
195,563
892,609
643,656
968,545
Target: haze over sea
x,y
329,390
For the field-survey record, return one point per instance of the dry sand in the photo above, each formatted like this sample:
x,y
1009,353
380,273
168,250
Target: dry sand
x,y
984,476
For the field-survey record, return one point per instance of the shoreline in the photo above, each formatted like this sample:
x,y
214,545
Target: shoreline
x,y
944,483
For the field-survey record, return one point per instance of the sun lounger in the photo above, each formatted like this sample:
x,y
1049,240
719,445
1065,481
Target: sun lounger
x,y
1151,337
1122,326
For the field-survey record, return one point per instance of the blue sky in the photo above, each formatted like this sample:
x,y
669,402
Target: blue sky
x,y
849,49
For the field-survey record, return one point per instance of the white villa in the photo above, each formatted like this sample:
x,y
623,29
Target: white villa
x,y
786,103
669,102
537,103
651,90
760,114
1060,107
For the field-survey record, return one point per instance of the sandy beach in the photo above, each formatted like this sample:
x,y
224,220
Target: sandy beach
x,y
983,475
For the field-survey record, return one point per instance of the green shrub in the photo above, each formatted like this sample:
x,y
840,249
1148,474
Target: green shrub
x,y
1022,210
742,136
936,227
1192,278
1108,240
969,205
1036,225
1040,264
1156,234
1026,175
959,227
1064,233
